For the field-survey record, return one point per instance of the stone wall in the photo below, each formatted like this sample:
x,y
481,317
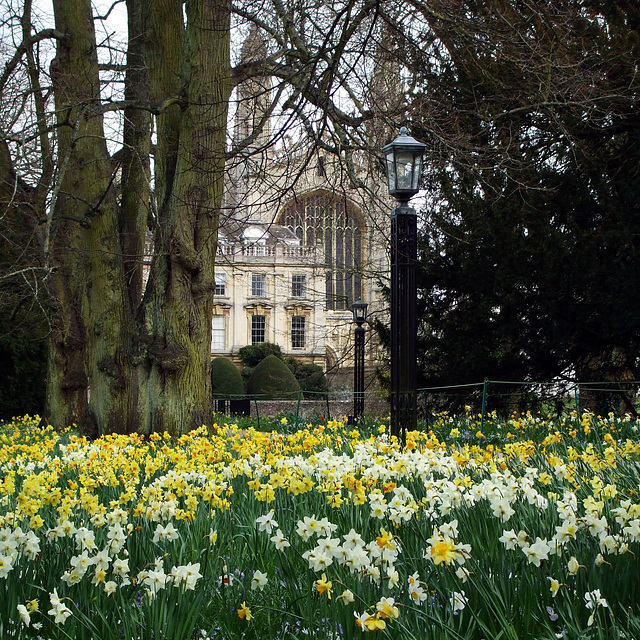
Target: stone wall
x,y
338,406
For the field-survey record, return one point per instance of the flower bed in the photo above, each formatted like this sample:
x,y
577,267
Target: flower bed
x,y
529,529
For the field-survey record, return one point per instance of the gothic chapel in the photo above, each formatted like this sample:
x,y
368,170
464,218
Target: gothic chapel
x,y
298,243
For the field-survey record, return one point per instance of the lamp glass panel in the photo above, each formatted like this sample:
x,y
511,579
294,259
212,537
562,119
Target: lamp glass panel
x,y
391,170
417,171
404,168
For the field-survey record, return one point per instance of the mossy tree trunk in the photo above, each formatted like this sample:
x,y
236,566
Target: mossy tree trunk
x,y
165,41
118,363
136,150
90,372
179,299
135,206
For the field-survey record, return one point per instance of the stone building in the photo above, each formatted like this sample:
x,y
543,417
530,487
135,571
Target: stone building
x,y
298,241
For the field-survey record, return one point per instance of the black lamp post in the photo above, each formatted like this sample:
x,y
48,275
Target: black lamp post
x,y
359,316
403,159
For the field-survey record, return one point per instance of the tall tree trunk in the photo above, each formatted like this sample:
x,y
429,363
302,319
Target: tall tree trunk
x,y
90,309
136,177
165,59
136,187
179,299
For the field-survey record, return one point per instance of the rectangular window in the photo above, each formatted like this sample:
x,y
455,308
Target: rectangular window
x,y
258,285
221,284
258,329
218,333
298,326
298,286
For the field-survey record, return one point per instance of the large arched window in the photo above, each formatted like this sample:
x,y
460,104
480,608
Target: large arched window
x,y
322,219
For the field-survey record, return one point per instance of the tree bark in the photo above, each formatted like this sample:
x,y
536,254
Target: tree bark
x,y
97,248
165,59
179,298
136,177
89,372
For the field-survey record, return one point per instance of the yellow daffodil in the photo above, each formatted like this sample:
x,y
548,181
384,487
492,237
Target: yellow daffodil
x,y
443,552
324,586
244,613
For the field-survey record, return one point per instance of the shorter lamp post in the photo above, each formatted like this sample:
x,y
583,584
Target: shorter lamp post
x,y
403,160
359,316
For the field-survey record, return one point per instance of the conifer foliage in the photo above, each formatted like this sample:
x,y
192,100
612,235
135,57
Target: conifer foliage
x,y
529,265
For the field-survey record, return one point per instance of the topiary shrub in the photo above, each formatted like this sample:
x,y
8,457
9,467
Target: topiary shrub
x,y
310,377
252,354
273,379
225,378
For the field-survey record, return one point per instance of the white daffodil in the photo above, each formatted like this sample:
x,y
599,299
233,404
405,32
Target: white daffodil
x,y
537,552
267,523
259,580
458,601
24,614
280,541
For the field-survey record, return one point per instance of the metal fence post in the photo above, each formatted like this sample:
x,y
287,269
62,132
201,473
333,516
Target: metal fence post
x,y
485,393
300,393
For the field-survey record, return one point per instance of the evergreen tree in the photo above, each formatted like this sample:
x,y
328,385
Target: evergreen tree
x,y
529,266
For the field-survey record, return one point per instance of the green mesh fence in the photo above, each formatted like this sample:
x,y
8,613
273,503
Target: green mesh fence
x,y
501,397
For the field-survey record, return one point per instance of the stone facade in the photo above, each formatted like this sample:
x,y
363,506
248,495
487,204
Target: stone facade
x,y
290,274
303,235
